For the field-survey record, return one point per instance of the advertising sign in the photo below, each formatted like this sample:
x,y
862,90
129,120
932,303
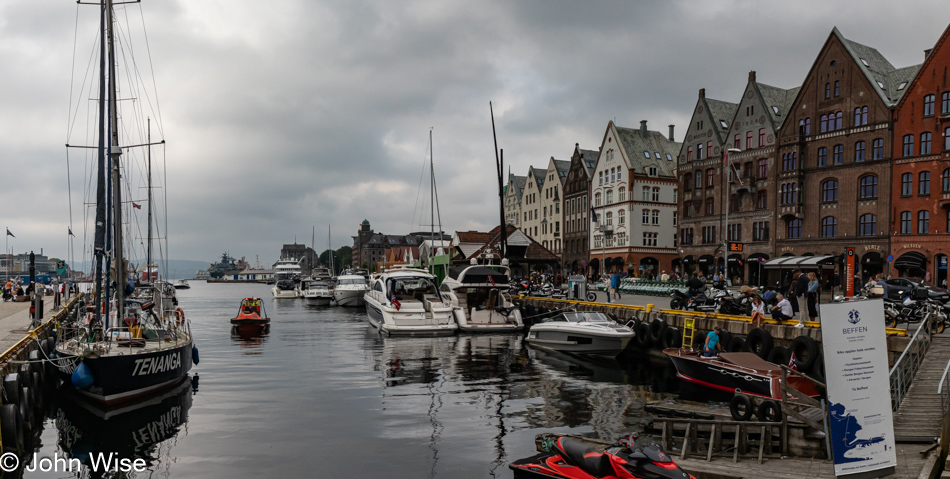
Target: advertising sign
x,y
855,354
849,273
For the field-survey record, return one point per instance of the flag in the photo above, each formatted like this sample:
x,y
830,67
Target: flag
x,y
395,302
791,362
70,231
9,233
593,215
491,280
136,205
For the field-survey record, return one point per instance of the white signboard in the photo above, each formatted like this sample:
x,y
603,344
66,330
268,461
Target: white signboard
x,y
859,397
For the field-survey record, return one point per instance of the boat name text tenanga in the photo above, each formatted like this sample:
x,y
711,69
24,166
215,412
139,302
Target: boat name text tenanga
x,y
157,365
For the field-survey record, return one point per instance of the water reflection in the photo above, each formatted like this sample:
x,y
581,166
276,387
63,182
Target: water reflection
x,y
134,432
250,337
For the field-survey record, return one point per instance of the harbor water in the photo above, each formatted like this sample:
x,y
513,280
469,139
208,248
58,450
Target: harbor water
x,y
322,394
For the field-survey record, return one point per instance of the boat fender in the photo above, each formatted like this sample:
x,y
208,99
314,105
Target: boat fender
x,y
37,362
760,342
805,350
643,335
736,345
82,377
44,346
11,429
37,388
671,338
179,316
741,407
778,355
11,389
26,404
725,337
194,354
769,411
657,326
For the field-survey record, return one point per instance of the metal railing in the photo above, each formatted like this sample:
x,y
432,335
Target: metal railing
x,y
906,366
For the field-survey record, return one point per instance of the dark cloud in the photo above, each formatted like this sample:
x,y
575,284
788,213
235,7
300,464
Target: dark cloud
x,y
314,113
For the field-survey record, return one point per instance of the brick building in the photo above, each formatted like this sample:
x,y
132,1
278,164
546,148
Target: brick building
x,y
920,222
833,159
577,210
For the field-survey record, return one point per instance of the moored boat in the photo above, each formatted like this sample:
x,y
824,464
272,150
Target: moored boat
x,y
182,284
583,332
736,372
479,295
316,292
251,313
405,301
350,289
287,278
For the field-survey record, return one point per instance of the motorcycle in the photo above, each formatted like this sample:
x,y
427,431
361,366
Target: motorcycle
x,y
577,458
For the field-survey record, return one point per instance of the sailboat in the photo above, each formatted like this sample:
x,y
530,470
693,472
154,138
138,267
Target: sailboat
x,y
132,340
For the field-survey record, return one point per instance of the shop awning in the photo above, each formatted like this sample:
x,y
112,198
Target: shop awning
x,y
912,259
812,262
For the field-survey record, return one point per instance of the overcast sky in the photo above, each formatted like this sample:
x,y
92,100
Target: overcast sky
x,y
281,116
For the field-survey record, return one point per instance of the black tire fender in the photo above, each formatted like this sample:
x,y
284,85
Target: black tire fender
x,y
778,355
736,345
741,407
11,389
805,350
760,342
656,330
671,338
643,335
769,411
725,337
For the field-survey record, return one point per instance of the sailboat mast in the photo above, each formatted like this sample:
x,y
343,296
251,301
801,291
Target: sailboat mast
x,y
114,154
148,253
330,250
499,162
100,240
431,200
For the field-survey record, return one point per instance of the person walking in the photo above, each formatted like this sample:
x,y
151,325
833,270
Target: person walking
x,y
791,291
814,289
615,285
801,292
712,346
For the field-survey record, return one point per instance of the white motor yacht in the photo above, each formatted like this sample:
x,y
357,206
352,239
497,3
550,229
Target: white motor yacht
x,y
350,289
479,296
585,332
406,301
287,278
316,292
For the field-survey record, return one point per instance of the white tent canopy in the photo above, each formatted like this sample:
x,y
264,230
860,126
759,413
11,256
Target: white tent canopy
x,y
809,262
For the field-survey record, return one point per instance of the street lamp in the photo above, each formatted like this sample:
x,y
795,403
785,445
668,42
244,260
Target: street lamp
x,y
726,198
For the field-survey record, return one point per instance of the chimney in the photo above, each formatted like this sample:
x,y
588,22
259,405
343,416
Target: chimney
x,y
702,93
643,128
752,76
671,132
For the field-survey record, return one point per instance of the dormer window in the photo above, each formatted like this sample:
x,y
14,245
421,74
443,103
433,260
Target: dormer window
x,y
652,171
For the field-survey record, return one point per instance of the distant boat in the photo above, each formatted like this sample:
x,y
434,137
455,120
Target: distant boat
x,y
316,292
182,284
251,313
287,278
350,289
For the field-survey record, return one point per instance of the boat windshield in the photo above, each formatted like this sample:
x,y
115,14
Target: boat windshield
x,y
352,281
582,316
412,286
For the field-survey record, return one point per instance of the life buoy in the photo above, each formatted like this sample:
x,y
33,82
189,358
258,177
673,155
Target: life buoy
x,y
179,317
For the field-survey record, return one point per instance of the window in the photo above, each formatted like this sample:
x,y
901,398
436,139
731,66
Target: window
x,y
836,87
761,136
610,218
867,225
709,234
761,197
928,105
698,179
735,142
946,138
794,228
646,154
649,239
827,90
747,170
868,187
823,124
861,116
945,102
748,139
945,180
923,222
925,143
838,118
734,202
859,151
689,153
923,183
829,227
699,151
877,149
905,222
656,194
908,145
709,150
807,126
760,231
646,193
655,217
823,156
646,217
763,167
686,236
597,199
789,161
710,177
734,232
600,176
651,171
621,217
829,191
837,156
674,218
710,205
610,197
789,193
907,184
622,194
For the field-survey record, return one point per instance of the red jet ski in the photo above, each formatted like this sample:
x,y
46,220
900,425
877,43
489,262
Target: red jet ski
x,y
572,457
251,314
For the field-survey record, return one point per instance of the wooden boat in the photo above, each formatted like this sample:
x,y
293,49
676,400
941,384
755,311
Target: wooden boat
x,y
736,372
251,314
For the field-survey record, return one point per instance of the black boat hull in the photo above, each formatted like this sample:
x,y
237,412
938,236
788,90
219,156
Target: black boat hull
x,y
722,378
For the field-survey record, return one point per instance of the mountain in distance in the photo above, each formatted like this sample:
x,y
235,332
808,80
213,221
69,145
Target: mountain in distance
x,y
177,268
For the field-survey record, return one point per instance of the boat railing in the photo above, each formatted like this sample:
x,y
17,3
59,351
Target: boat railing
x,y
735,366
906,366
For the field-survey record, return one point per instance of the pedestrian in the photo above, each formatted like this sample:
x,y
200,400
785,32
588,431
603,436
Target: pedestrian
x,y
801,292
783,310
695,285
927,277
712,346
812,294
615,285
758,310
791,291
664,277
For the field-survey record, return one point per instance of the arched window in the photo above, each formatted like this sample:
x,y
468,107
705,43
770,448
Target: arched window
x,y
829,191
610,218
710,178
838,120
827,90
610,196
945,180
838,154
907,184
620,217
877,149
908,145
823,124
622,194
794,228
867,225
923,222
905,223
596,199
829,227
868,188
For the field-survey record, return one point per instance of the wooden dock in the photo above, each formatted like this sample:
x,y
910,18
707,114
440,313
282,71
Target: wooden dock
x,y
919,416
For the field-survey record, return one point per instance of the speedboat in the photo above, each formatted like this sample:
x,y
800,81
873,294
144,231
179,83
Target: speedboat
x,y
182,284
251,314
316,292
479,296
350,289
584,332
406,301
736,372
287,278
321,272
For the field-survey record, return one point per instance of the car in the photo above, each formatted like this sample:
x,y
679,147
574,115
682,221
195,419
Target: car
x,y
899,288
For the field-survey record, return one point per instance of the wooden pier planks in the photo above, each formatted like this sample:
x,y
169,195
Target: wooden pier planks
x,y
920,412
